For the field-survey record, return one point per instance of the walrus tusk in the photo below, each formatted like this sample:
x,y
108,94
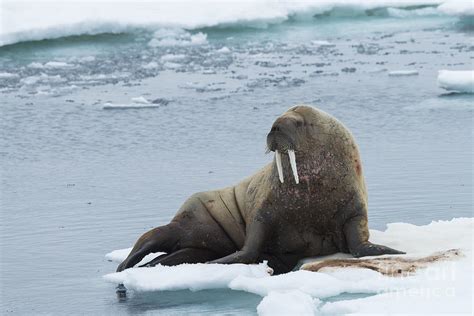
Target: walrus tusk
x,y
291,154
279,167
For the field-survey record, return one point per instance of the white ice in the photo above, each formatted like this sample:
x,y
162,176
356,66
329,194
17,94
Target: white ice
x,y
401,73
186,276
137,103
151,65
37,20
119,255
176,37
126,106
57,64
224,50
7,75
458,81
141,100
285,303
172,57
321,43
458,7
444,287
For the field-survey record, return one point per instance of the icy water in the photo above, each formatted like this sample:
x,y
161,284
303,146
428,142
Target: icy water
x,y
79,181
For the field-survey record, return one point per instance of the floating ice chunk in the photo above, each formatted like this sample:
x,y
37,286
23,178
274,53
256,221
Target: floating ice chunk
x,y
87,59
199,39
177,37
141,100
172,57
186,276
7,75
151,65
193,85
127,106
292,302
118,255
321,43
57,64
121,254
31,80
36,65
170,65
401,73
224,50
459,80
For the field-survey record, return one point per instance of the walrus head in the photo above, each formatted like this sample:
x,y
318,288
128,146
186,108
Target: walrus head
x,y
286,137
300,133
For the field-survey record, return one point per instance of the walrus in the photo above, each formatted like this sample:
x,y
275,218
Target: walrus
x,y
311,200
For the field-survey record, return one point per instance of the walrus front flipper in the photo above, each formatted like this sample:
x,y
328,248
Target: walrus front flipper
x,y
370,249
357,237
252,249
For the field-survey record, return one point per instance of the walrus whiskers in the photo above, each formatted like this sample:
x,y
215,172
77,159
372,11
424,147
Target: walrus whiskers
x,y
279,166
291,154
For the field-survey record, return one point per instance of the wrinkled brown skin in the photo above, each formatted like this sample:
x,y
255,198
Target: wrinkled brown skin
x,y
263,219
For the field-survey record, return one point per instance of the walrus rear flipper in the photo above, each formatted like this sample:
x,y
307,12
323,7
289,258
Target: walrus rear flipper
x,y
160,239
185,255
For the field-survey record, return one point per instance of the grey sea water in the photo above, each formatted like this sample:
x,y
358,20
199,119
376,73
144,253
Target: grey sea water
x,y
78,181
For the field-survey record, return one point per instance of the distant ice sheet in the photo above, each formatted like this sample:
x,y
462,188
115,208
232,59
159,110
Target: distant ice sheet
x,y
37,20
458,81
457,7
444,287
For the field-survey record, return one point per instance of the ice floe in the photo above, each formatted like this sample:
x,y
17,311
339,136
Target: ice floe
x,y
186,276
401,73
443,287
151,65
456,80
137,103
